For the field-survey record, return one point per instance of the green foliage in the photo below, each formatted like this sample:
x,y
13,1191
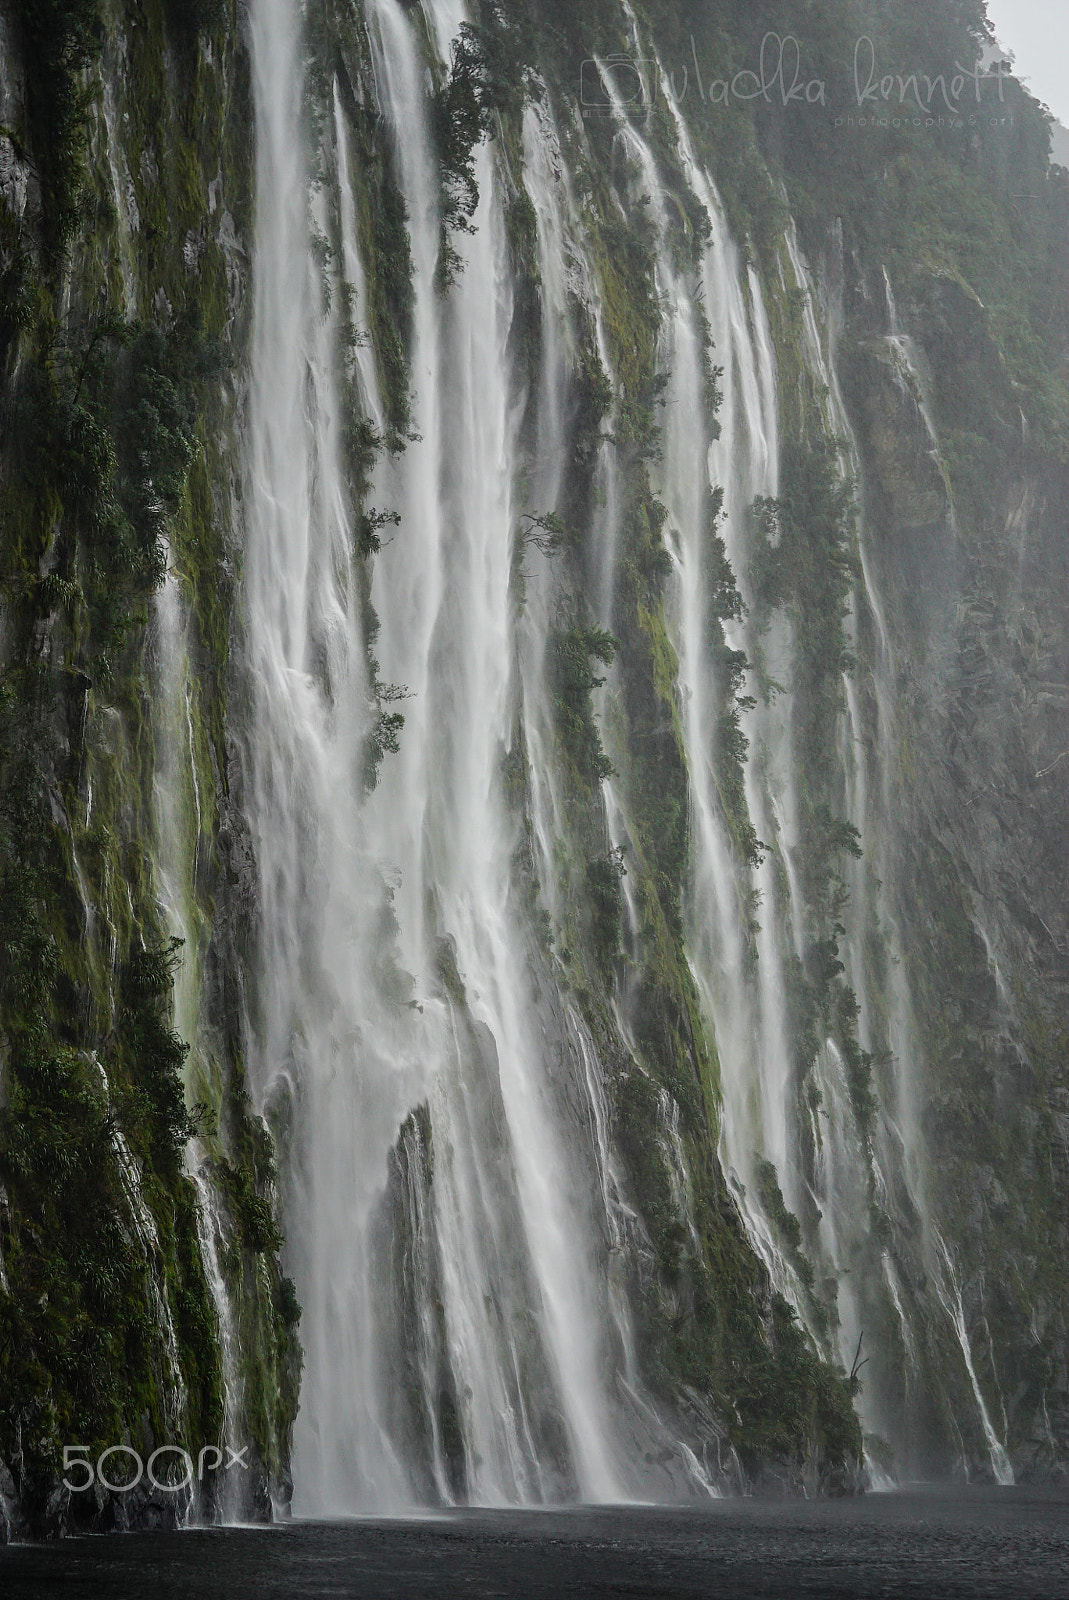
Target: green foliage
x,y
75,1312
289,1307
546,533
724,600
369,530
79,1334
392,300
572,680
605,904
256,1224
591,401
857,1063
186,19
549,535
461,113
152,1105
790,1394
638,1115
102,440
340,59
521,232
805,562
59,40
724,1331
114,431
460,125
732,749
707,1318
385,735
788,1231
770,1195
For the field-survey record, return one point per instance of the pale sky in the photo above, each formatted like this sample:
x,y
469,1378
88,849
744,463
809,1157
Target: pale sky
x,y
1037,33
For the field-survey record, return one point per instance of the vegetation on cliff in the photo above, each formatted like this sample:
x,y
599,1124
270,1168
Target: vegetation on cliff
x,y
122,327
116,341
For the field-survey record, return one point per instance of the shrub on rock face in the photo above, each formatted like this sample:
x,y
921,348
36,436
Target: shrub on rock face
x,y
572,680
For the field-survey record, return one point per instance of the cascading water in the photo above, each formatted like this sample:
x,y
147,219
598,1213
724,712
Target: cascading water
x,y
597,745
445,611
748,1018
749,1013
502,1395
455,1206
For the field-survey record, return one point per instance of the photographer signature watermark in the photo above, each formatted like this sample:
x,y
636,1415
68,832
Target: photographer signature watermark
x,y
876,90
77,1455
780,78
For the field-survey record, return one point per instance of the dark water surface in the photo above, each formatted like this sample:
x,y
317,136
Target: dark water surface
x,y
923,1543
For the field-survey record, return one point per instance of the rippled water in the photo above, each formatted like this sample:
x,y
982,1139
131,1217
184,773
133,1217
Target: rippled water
x,y
929,1544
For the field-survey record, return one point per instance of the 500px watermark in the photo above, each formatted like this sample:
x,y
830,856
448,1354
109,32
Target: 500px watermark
x,y
77,1455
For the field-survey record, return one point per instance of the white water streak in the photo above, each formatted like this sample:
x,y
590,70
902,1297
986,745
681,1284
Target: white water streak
x,y
436,828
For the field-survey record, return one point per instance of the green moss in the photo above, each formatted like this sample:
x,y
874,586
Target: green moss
x,y
83,1350
821,1315
604,901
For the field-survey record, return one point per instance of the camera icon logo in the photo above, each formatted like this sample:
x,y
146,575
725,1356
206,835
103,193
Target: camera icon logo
x,y
621,80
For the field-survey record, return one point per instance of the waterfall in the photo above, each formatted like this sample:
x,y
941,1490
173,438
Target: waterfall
x,y
440,814
746,1004
394,967
748,1017
533,733
457,1215
311,716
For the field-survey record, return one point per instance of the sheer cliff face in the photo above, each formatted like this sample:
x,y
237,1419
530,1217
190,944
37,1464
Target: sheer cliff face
x,y
127,193
973,585
534,643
